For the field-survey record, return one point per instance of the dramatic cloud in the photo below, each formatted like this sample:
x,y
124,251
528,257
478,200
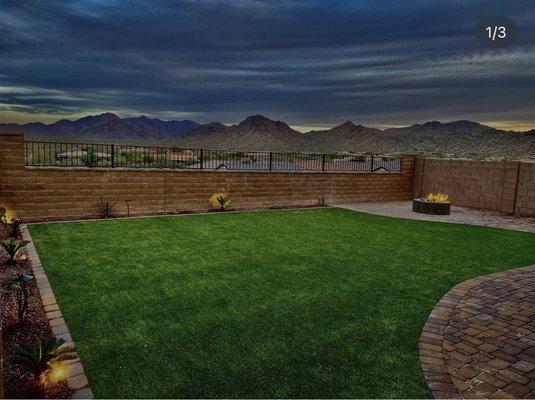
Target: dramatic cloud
x,y
308,62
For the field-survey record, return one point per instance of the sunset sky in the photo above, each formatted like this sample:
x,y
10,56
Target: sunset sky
x,y
309,63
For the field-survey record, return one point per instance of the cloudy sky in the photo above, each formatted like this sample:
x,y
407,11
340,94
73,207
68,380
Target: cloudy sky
x,y
308,62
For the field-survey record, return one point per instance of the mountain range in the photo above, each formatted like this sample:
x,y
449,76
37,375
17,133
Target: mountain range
x,y
457,138
106,127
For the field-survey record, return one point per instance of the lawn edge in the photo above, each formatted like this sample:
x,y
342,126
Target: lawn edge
x,y
200,213
433,366
76,379
341,206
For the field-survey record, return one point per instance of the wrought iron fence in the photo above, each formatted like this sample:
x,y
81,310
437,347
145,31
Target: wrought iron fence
x,y
57,154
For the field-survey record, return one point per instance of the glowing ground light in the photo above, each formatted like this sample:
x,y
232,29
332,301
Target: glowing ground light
x,y
55,374
9,215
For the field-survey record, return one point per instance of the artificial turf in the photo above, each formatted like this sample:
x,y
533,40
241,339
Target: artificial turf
x,y
311,303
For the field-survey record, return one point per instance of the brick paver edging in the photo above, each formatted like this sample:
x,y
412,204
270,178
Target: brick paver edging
x,y
479,340
76,378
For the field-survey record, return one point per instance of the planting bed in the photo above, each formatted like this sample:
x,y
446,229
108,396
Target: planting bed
x,y
34,326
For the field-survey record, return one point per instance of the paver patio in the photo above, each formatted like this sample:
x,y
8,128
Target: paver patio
x,y
459,215
479,341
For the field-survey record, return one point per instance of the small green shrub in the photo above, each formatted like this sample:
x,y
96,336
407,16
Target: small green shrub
x,y
90,158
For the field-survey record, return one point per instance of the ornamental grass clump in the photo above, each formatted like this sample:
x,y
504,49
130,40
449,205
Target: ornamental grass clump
x,y
437,198
220,201
106,209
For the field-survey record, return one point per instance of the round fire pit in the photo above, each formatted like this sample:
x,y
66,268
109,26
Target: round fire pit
x,y
424,206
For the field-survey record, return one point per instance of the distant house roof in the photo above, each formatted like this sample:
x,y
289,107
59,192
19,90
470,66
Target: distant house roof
x,y
222,166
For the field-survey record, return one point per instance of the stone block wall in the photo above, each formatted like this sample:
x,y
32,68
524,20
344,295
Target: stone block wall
x,y
525,195
36,193
504,186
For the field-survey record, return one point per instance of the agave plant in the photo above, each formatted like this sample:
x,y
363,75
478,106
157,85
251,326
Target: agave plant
x,y
12,247
41,359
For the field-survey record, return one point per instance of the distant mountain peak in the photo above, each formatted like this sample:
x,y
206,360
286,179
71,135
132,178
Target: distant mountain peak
x,y
265,124
346,125
469,124
215,125
256,119
349,126
144,118
430,124
107,115
463,123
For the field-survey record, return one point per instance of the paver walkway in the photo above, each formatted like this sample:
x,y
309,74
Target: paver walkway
x,y
459,215
479,341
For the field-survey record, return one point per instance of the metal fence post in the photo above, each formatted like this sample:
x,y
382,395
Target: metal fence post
x,y
112,155
202,158
323,163
270,160
371,165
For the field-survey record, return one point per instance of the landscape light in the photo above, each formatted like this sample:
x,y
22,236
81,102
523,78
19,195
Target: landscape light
x,y
6,215
56,373
127,201
24,278
20,283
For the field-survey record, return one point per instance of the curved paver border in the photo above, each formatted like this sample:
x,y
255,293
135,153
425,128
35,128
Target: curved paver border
x,y
437,340
76,378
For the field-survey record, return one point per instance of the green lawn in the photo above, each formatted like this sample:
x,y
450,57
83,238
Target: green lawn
x,y
311,303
